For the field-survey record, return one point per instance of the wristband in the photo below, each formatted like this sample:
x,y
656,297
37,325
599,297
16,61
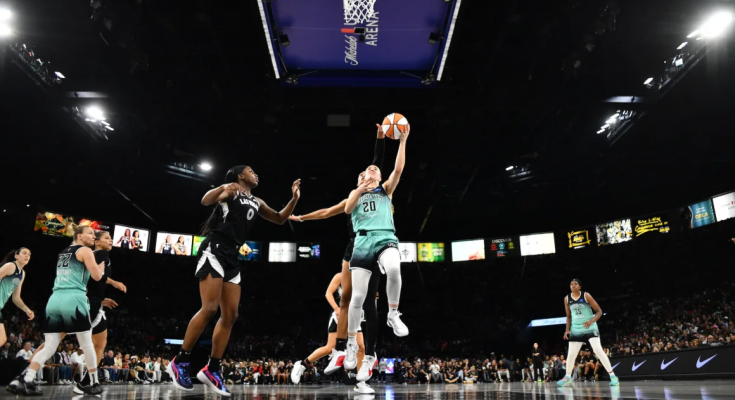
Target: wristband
x,y
299,218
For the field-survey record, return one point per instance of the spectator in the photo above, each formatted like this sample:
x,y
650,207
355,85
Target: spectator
x,y
435,371
77,360
107,364
503,370
26,352
538,359
382,368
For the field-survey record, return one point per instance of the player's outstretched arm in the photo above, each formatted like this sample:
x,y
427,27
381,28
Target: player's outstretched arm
x,y
324,213
395,176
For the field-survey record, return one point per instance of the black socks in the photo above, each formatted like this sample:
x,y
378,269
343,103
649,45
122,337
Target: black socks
x,y
183,356
341,345
214,364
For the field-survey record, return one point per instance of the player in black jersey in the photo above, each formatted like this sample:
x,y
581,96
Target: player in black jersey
x,y
370,308
136,243
180,247
218,269
124,240
97,300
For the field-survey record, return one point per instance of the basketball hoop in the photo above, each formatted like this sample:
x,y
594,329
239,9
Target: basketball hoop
x,y
358,11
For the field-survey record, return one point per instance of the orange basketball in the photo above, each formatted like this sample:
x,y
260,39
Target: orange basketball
x,y
394,125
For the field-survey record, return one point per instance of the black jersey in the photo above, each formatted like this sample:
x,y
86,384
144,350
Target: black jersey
x,y
181,247
125,243
236,217
167,248
138,243
97,288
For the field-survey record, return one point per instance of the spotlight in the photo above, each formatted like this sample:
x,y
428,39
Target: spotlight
x,y
509,168
5,30
205,166
716,25
60,75
683,45
435,37
283,39
648,81
5,14
95,113
693,34
600,131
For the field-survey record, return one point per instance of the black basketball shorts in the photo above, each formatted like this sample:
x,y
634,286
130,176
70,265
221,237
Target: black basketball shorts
x,y
97,315
219,260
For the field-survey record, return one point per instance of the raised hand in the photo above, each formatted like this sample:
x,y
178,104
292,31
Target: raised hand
x,y
296,189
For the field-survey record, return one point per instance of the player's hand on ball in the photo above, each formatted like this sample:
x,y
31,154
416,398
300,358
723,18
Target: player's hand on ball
x,y
566,335
404,135
296,189
381,133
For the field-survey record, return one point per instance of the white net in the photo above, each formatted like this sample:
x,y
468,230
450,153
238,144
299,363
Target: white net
x,y
358,11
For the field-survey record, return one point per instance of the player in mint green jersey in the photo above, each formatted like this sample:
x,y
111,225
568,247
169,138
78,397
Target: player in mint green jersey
x,y
67,311
12,277
375,251
583,312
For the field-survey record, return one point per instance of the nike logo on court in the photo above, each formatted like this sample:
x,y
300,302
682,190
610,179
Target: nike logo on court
x,y
635,367
615,366
665,364
700,364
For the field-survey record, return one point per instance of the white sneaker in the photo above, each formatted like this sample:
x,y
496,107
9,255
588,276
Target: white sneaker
x,y
335,362
350,361
298,370
366,369
363,388
394,321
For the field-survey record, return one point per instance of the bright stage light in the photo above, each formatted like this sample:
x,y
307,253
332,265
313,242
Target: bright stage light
x,y
681,46
205,166
95,113
5,14
649,80
716,25
60,75
600,131
693,34
5,30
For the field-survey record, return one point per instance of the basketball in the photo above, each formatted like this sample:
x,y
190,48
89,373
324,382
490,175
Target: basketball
x,y
394,125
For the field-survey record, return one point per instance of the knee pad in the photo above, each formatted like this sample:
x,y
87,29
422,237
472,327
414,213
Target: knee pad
x,y
390,262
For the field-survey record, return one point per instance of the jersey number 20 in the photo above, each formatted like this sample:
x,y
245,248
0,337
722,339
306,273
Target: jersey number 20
x,y
368,206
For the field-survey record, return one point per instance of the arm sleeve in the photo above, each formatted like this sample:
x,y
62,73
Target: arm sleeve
x,y
379,153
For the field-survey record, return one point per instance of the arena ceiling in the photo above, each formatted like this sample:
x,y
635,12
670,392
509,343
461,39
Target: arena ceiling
x,y
525,84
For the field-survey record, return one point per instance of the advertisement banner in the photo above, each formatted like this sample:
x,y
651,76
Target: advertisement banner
x,y
127,237
614,232
579,238
196,243
705,362
408,252
173,243
309,251
724,206
249,251
54,224
537,244
698,214
503,247
651,225
468,250
282,252
431,252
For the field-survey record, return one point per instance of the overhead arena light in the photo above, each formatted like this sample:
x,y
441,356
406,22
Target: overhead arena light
x,y
60,75
95,113
5,14
683,45
5,30
648,81
600,131
612,120
693,34
205,166
716,25
509,168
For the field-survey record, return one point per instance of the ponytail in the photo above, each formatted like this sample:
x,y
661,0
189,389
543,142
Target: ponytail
x,y
10,257
211,223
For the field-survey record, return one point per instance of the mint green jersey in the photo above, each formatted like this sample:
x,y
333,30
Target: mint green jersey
x,y
373,212
70,272
581,310
9,283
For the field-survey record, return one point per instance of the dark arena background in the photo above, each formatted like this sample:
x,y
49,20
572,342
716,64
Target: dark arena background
x,y
552,140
